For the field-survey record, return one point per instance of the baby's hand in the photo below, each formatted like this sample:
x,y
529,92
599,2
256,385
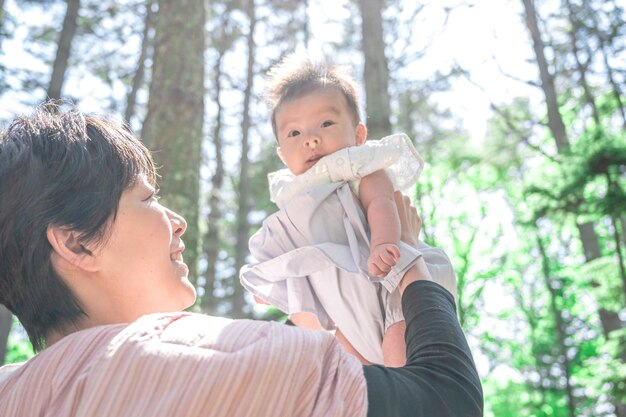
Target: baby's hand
x,y
382,258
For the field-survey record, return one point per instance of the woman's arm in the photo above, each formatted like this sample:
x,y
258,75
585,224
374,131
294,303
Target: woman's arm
x,y
440,378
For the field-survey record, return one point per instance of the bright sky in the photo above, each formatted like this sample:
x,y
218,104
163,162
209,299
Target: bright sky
x,y
488,39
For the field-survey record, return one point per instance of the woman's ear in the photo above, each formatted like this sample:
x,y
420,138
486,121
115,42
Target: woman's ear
x,y
360,134
68,248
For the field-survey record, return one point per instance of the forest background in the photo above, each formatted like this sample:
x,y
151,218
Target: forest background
x,y
517,106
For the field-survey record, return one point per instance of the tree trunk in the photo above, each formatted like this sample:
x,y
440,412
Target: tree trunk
x,y
174,122
587,232
212,242
1,20
139,76
620,258
243,226
588,236
306,29
555,122
612,186
580,67
560,329
59,67
6,319
375,68
533,327
617,91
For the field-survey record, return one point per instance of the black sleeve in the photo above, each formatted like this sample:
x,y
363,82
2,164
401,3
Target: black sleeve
x,y
439,378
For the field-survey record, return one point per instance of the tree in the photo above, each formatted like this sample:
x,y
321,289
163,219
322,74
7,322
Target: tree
x,y
61,60
1,15
174,123
139,75
6,319
243,188
223,35
375,69
557,128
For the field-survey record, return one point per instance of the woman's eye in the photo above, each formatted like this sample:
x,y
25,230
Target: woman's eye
x,y
153,196
293,133
328,123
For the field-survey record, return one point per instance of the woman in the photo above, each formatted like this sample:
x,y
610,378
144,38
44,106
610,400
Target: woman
x,y
91,263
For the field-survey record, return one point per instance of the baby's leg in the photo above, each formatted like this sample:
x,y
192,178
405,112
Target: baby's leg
x,y
394,347
347,346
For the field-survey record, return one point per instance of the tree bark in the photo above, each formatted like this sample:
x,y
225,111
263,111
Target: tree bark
x,y
306,29
603,40
617,91
560,329
588,236
580,67
174,122
61,60
243,189
555,122
1,18
6,319
140,72
212,242
587,232
375,68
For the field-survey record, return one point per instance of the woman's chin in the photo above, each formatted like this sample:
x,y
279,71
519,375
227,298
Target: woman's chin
x,y
190,294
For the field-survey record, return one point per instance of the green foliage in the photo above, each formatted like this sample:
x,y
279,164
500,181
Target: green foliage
x,y
585,180
483,201
600,277
18,350
506,398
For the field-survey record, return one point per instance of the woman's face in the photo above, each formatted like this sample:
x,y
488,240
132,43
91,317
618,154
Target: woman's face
x,y
141,262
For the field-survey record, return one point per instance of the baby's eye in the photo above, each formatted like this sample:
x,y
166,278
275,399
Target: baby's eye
x,y
328,123
293,133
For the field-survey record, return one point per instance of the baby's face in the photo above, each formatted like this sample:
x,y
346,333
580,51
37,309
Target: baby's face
x,y
313,126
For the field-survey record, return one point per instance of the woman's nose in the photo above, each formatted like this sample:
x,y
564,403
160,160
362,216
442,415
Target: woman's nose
x,y
179,225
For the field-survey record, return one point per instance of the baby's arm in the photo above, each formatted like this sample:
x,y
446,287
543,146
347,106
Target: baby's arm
x,y
376,195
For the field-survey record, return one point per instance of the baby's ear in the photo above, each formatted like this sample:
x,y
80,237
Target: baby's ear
x,y
360,134
279,152
67,247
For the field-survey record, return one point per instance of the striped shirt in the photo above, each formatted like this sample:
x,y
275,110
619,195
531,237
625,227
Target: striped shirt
x,y
181,364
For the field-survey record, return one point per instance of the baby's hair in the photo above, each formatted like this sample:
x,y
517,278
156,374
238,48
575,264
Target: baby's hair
x,y
298,74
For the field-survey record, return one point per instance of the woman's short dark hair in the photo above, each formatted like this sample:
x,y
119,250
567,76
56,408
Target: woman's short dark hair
x,y
58,167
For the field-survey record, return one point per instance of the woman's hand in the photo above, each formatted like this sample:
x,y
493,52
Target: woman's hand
x,y
410,224
410,221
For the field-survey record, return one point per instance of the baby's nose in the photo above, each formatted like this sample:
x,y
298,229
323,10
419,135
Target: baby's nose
x,y
312,141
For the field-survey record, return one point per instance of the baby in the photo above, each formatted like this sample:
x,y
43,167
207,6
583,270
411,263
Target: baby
x,y
316,259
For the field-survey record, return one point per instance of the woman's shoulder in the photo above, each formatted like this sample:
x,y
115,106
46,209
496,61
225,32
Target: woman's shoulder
x,y
222,334
7,370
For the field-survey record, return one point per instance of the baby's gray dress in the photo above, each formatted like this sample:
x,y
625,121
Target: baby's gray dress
x,y
312,254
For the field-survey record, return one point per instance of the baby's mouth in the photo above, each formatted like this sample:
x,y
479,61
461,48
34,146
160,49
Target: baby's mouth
x,y
315,158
